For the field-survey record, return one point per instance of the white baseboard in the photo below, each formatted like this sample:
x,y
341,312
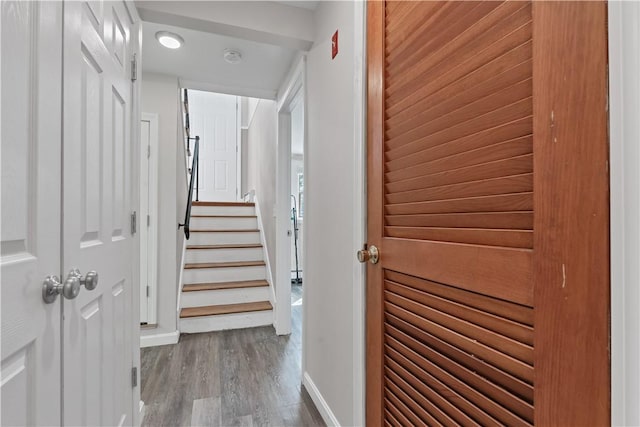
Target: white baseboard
x,y
143,410
321,404
159,339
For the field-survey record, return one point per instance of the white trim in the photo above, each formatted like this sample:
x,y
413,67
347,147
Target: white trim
x,y
624,108
159,339
152,211
293,84
238,149
180,280
265,248
359,213
322,405
292,89
229,90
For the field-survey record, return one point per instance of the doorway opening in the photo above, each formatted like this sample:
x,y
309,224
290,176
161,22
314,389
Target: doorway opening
x,y
297,190
290,203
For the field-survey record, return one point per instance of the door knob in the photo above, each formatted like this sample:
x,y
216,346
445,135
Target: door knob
x,y
52,287
90,281
370,254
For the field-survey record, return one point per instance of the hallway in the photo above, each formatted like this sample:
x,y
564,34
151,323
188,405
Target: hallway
x,y
246,377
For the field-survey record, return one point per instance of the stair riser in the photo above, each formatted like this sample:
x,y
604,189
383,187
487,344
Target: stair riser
x,y
217,275
226,321
224,255
227,238
223,210
224,296
209,223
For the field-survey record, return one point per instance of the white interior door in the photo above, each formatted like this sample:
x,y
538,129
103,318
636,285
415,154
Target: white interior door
x,y
97,157
30,247
212,117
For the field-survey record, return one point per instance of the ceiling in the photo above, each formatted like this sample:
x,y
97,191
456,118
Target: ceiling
x,y
268,34
305,4
200,60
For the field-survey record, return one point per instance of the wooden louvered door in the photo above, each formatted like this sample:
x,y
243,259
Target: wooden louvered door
x,y
488,201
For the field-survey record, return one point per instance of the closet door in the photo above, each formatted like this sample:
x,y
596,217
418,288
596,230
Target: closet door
x,y
30,247
488,202
96,208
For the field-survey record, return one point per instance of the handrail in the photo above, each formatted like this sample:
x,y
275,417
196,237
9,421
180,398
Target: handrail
x,y
192,180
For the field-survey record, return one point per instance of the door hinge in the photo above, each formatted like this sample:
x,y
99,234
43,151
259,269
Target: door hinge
x,y
148,151
134,221
148,290
148,220
134,376
134,68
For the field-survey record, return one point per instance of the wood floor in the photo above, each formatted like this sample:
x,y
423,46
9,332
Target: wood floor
x,y
247,377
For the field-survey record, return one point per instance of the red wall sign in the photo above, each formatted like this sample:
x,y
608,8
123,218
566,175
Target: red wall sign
x,y
334,45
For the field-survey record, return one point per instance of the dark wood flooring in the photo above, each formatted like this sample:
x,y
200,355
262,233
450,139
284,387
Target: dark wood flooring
x,y
246,377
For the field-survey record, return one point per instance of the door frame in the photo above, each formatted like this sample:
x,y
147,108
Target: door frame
x,y
151,249
295,86
624,157
359,209
238,150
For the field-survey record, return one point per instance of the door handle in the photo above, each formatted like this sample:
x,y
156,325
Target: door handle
x,y
52,287
90,281
370,254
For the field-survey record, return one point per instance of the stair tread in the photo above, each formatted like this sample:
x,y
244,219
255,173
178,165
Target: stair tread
x,y
213,310
224,216
228,246
199,203
246,230
192,287
223,264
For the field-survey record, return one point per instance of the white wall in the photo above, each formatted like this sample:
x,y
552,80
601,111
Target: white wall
x,y
329,212
160,95
624,72
261,174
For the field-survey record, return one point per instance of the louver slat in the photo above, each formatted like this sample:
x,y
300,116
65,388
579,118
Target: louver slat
x,y
458,120
463,352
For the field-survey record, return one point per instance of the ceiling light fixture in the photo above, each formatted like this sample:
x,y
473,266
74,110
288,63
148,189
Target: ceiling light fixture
x,y
170,40
232,56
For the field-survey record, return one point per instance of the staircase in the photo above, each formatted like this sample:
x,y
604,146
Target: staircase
x,y
225,275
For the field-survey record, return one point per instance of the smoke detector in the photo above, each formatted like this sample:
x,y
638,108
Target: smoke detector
x,y
232,56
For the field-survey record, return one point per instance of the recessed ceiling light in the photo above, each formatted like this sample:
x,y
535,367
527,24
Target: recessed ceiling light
x,y
232,56
170,40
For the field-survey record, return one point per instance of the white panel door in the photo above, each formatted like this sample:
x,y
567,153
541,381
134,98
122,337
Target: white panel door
x,y
97,156
213,118
30,246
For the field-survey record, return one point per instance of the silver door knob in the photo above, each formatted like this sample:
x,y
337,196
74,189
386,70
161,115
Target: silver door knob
x,y
370,254
90,281
51,288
